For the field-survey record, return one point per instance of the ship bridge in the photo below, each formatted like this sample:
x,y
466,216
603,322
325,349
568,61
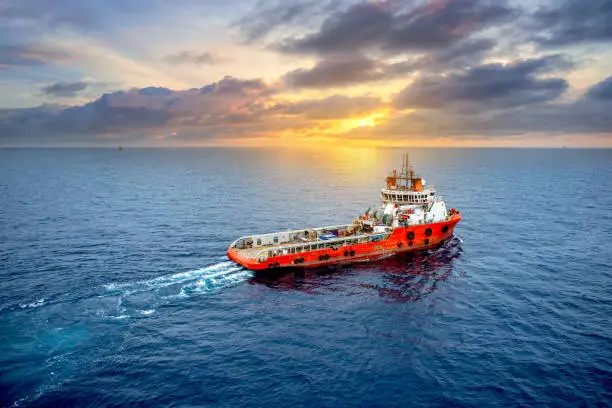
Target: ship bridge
x,y
407,197
406,188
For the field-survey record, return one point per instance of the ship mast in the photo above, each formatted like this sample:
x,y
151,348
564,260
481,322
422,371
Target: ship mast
x,y
405,179
407,174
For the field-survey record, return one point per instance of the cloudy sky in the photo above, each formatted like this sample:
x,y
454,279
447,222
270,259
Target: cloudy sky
x,y
306,73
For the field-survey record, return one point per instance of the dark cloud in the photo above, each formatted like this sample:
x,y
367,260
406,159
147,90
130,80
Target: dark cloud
x,y
223,103
228,108
568,22
560,118
601,91
333,107
430,25
234,86
155,91
245,108
585,115
459,55
489,86
187,57
28,55
267,17
64,89
341,70
11,56
336,71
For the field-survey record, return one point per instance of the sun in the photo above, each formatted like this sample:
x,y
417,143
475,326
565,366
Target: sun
x,y
363,123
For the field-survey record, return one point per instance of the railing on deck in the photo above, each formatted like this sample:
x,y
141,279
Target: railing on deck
x,y
299,248
293,234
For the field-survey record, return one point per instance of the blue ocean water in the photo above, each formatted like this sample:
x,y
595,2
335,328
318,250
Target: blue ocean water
x,y
115,289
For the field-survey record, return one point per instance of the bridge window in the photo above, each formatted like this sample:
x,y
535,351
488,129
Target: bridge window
x,y
276,240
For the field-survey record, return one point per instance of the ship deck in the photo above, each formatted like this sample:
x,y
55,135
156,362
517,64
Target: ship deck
x,y
313,244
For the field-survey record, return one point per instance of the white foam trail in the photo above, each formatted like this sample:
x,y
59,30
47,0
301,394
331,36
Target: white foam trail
x,y
38,303
217,281
147,312
213,277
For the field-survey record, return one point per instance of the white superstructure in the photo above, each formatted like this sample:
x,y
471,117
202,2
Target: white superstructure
x,y
407,200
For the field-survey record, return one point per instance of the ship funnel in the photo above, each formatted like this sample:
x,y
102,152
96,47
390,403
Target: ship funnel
x,y
417,184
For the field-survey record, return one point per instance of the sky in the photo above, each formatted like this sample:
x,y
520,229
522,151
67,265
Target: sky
x,y
306,73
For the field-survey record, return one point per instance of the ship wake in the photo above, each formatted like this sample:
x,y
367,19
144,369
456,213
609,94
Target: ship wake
x,y
198,281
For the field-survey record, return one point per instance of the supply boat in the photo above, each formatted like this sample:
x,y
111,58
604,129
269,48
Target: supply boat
x,y
412,217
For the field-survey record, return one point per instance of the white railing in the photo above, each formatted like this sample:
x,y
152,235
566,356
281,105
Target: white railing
x,y
319,244
289,235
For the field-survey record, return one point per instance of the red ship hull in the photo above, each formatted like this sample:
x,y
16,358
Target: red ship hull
x,y
402,240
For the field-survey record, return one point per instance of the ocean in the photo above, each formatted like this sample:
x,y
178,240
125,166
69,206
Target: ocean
x,y
115,289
